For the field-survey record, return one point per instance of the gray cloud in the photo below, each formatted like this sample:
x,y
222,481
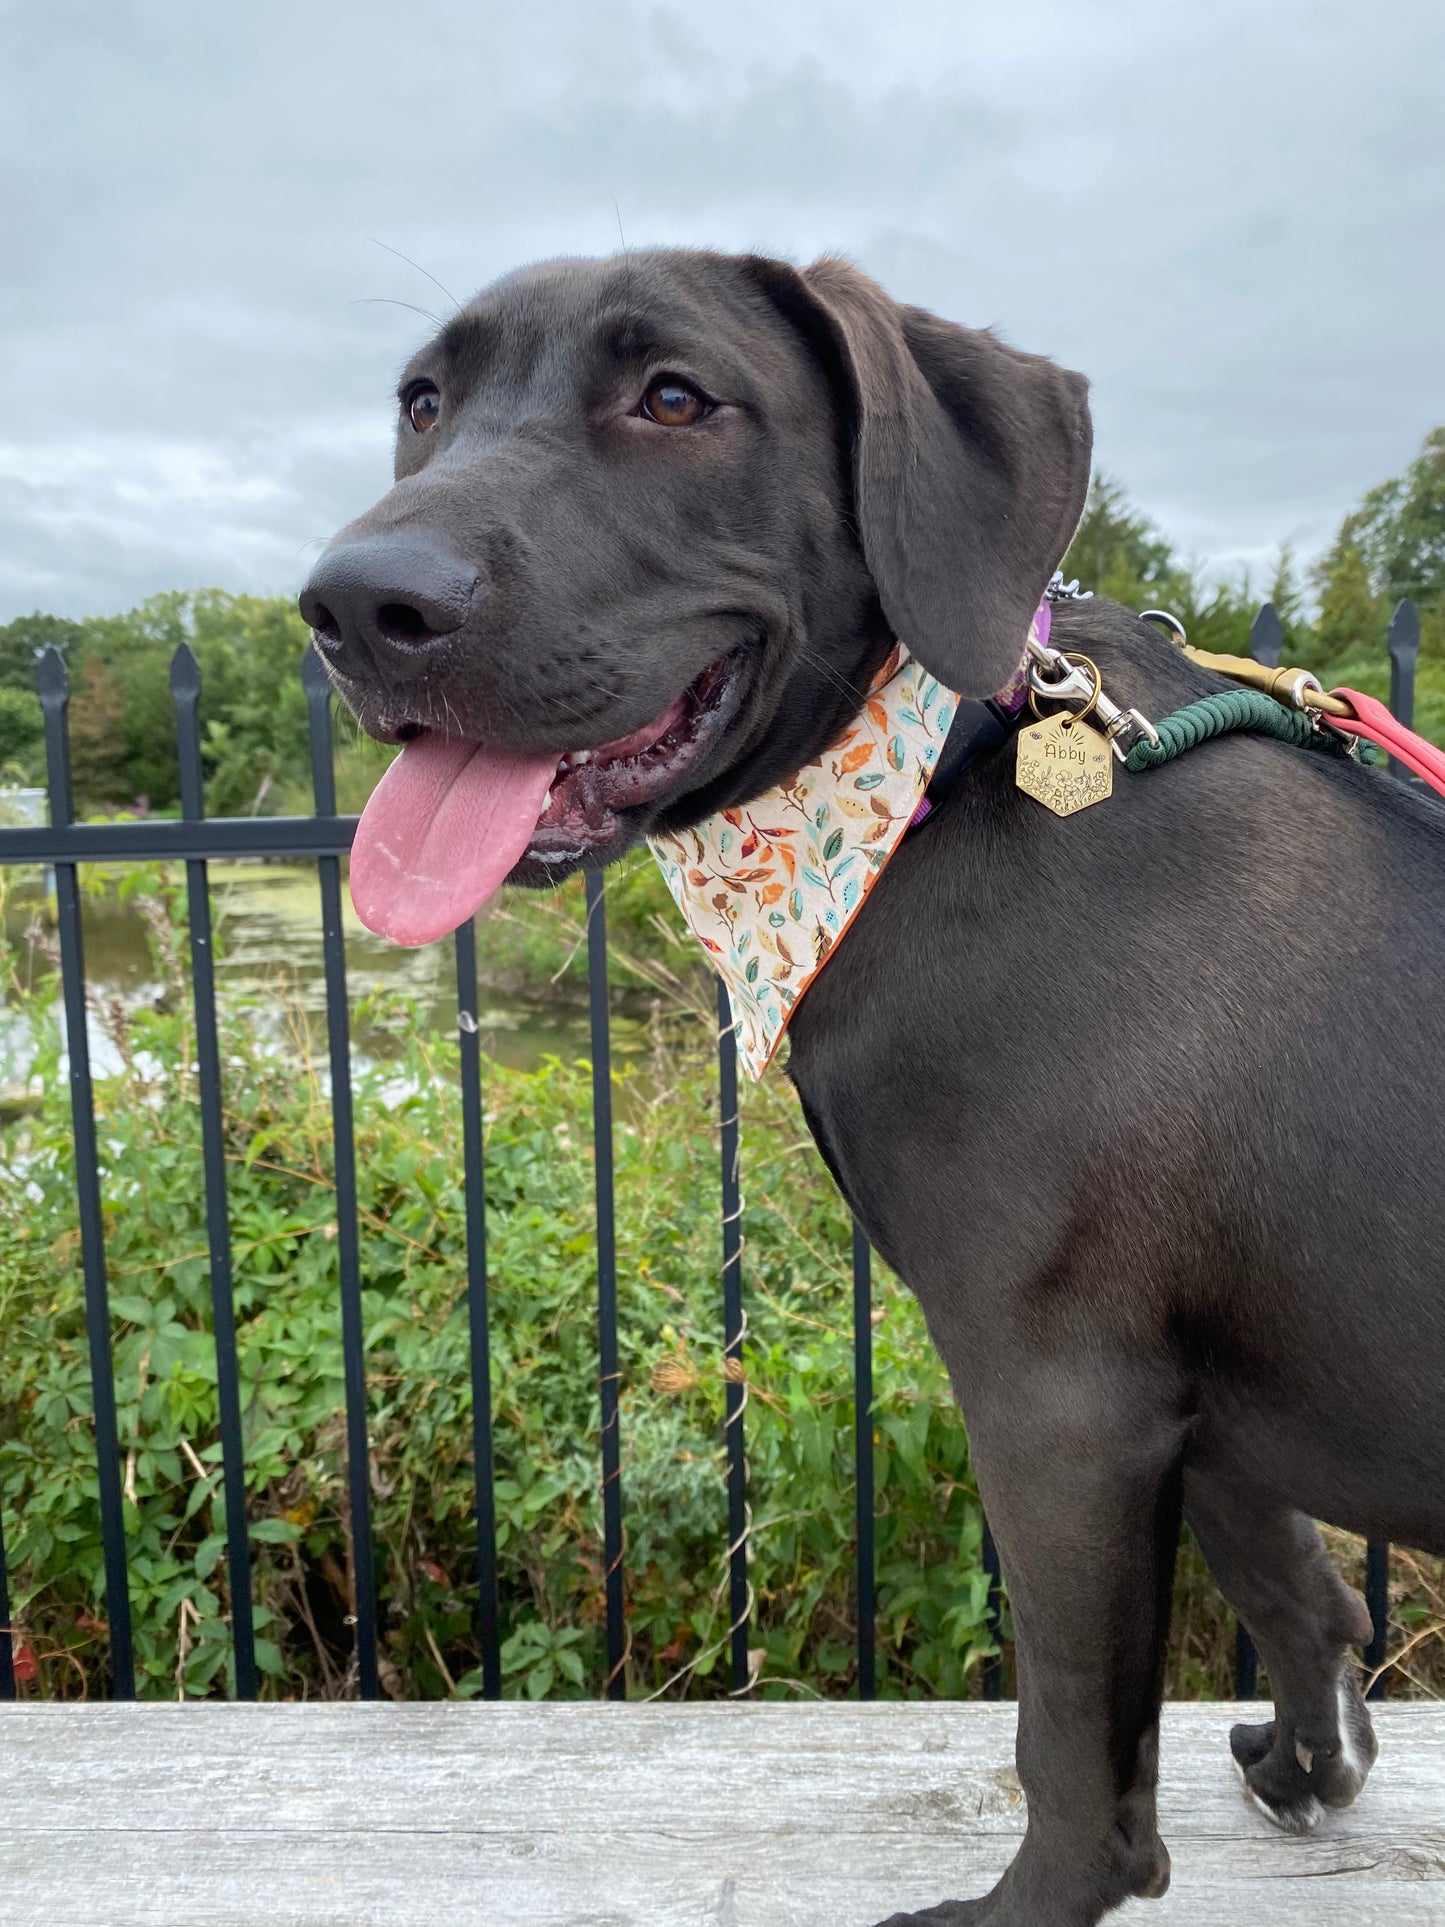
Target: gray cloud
x,y
1229,217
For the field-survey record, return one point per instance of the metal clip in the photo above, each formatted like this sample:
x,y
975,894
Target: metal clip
x,y
1303,681
1072,683
1166,620
1123,727
1061,591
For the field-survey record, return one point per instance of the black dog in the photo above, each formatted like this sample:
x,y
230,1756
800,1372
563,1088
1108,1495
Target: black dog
x,y
1143,1103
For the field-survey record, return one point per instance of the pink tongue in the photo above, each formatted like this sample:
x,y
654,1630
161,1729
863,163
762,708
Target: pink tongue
x,y
444,827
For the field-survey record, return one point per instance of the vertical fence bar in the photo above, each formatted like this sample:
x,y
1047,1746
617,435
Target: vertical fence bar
x,y
1403,644
993,1665
186,695
616,1684
1246,1664
7,1649
481,1352
53,685
353,1337
1377,1598
734,1324
1266,636
863,1460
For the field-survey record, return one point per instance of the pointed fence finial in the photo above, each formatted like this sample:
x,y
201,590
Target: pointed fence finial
x,y
1404,648
317,685
314,679
1404,643
52,678
1266,636
185,674
186,697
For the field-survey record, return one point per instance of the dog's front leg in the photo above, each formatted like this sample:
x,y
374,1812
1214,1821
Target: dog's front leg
x,y
1079,1461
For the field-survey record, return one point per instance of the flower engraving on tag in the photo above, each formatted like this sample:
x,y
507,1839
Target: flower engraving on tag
x,y
1064,764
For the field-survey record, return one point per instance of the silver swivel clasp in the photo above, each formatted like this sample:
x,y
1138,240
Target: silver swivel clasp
x,y
1058,677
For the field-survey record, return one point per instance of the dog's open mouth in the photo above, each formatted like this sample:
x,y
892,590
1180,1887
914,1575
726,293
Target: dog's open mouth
x,y
450,820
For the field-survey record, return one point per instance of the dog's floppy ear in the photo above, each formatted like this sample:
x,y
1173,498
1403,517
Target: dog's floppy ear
x,y
970,465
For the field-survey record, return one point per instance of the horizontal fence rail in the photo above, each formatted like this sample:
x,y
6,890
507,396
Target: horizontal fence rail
x,y
153,839
326,837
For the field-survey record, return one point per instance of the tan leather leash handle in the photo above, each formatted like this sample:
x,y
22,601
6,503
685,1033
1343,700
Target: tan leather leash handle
x,y
1292,687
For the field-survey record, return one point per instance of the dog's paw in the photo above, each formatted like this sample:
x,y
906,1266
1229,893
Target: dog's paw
x,y
1274,1779
1250,1744
1338,1781
1293,1780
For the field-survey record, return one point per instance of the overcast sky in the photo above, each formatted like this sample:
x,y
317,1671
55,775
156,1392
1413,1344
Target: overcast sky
x,y
1231,216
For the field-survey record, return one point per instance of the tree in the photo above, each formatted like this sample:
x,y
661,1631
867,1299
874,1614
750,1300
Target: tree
x,y
1400,529
22,757
1119,553
1351,618
22,640
255,741
98,761
1392,545
1287,594
252,702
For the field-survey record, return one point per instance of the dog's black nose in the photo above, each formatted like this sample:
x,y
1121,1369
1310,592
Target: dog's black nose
x,y
383,601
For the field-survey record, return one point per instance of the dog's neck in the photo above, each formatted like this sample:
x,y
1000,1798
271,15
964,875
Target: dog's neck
x,y
770,887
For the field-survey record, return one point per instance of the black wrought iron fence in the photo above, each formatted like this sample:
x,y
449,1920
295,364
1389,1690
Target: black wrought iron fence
x,y
63,844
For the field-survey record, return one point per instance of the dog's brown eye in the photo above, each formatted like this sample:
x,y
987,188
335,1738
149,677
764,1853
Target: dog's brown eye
x,y
423,405
673,405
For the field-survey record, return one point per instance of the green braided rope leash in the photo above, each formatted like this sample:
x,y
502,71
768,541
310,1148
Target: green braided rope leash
x,y
1216,715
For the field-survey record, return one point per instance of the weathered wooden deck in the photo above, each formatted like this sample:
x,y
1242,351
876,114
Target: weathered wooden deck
x,y
612,1816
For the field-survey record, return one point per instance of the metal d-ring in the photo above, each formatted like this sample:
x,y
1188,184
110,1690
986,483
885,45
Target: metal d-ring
x,y
1069,686
1123,727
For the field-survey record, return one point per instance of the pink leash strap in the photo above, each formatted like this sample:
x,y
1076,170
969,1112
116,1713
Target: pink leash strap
x,y
1374,722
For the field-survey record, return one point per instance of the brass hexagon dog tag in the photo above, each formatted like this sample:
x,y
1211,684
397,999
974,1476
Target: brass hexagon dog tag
x,y
1064,764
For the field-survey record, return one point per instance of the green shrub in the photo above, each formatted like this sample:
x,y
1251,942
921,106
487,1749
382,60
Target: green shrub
x,y
540,1225
932,1621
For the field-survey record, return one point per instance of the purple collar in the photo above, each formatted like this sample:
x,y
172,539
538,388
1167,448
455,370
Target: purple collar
x,y
1008,701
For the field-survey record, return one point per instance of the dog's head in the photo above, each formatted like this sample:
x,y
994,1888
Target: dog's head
x,y
655,522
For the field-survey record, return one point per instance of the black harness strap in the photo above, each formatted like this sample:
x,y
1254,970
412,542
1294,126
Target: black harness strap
x,y
977,728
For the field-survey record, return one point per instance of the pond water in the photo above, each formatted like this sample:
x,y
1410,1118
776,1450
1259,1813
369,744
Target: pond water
x,y
268,922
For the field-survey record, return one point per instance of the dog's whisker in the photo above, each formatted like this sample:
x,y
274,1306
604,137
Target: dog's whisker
x,y
850,689
390,301
419,268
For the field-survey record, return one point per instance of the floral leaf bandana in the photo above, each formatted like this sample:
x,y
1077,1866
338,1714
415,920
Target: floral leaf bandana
x,y
768,888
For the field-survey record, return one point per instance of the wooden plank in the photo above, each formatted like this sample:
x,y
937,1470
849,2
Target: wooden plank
x,y
608,1816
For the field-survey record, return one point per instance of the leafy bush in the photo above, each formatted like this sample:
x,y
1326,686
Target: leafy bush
x,y
932,1591
932,1623
540,1222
